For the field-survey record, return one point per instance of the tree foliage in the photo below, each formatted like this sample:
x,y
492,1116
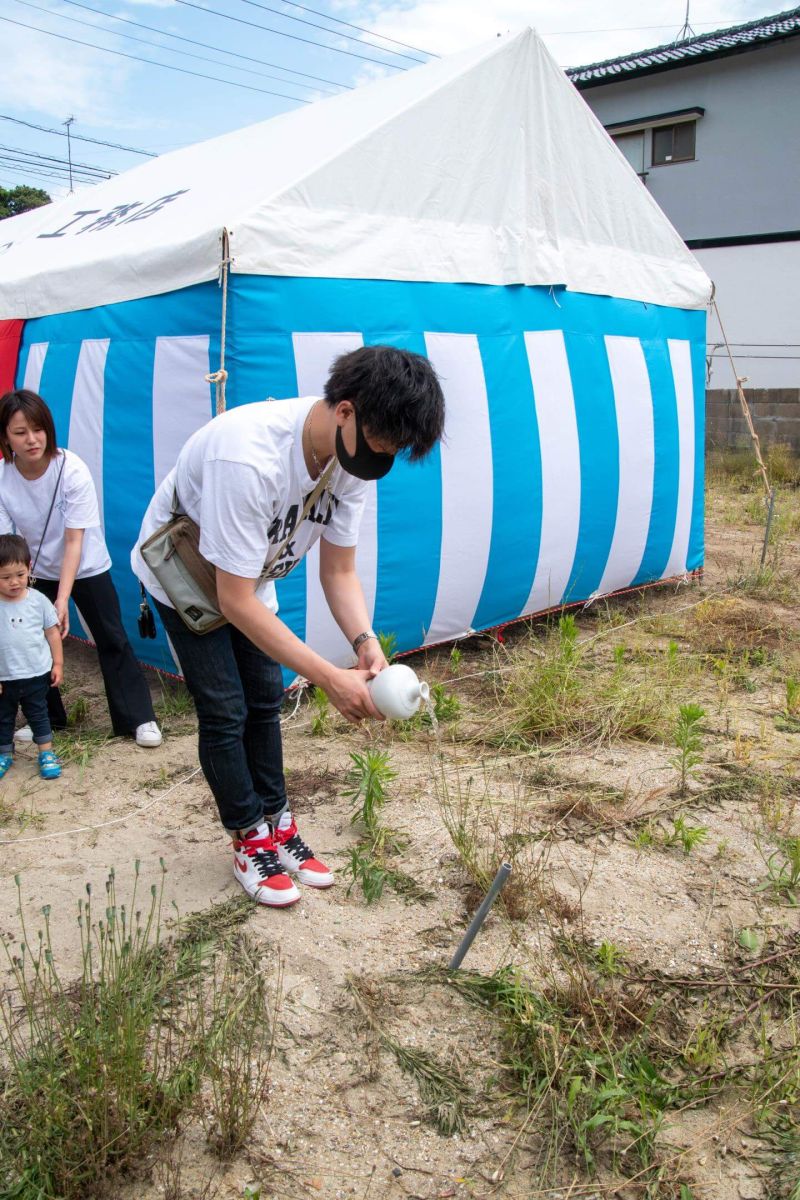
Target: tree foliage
x,y
19,199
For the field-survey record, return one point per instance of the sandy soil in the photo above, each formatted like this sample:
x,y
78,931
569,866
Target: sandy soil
x,y
338,1121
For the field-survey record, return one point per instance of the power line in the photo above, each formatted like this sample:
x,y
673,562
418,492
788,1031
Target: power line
x,y
76,137
771,357
294,36
152,63
29,173
206,46
49,158
348,36
621,28
42,171
350,25
156,45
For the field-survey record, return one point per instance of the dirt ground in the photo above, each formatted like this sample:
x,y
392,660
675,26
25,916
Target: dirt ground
x,y
341,1118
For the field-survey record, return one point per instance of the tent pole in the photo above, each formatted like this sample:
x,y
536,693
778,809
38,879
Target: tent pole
x,y
219,377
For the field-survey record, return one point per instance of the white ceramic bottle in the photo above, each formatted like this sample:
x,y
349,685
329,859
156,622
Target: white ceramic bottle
x,y
397,693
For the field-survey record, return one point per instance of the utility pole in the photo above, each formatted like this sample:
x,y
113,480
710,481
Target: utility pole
x,y
685,30
68,122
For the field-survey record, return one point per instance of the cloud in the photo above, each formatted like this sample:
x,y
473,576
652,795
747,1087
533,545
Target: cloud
x,y
43,75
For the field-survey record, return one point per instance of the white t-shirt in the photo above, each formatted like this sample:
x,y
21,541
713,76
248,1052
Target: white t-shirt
x,y
24,650
24,504
243,479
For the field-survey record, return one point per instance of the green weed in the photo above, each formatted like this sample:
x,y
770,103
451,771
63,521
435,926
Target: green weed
x,y
77,712
688,741
446,706
369,873
79,747
570,1052
783,870
239,1028
609,958
175,702
644,838
98,1069
369,863
570,693
443,1091
367,781
687,836
388,644
322,716
486,834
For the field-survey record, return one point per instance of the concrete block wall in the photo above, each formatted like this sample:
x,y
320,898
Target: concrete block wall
x,y
775,413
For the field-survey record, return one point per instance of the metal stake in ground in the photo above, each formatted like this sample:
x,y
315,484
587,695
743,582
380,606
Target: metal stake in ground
x,y
480,916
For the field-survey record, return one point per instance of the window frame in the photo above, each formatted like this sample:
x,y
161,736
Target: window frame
x,y
648,125
673,158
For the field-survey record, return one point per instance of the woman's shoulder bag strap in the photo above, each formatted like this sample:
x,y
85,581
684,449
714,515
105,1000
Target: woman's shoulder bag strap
x,y
49,515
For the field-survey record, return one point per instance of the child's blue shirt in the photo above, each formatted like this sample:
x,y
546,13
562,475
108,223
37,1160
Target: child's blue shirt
x,y
24,652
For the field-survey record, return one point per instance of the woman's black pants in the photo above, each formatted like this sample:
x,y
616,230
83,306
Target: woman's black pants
x,y
128,695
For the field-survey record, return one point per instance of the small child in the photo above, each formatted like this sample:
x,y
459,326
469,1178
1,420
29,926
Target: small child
x,y
31,656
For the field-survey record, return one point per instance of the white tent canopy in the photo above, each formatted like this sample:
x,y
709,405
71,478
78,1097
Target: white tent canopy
x,y
484,167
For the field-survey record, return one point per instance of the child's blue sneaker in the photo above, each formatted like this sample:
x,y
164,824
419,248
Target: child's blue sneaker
x,y
6,761
49,766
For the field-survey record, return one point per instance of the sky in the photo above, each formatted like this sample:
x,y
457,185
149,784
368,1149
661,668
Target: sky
x,y
229,63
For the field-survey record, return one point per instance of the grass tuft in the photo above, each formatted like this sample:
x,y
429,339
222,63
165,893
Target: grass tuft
x,y
99,1069
577,691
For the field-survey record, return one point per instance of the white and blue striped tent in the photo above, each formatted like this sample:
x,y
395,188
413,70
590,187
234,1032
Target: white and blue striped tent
x,y
472,210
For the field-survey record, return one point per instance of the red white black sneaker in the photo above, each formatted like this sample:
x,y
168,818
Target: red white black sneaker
x,y
259,871
296,857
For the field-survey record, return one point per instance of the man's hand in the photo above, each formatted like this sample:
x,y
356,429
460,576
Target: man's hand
x,y
349,693
371,657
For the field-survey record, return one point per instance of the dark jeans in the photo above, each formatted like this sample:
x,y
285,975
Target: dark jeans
x,y
128,695
31,696
237,691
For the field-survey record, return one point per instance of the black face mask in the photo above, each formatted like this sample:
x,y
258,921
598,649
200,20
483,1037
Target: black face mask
x,y
366,463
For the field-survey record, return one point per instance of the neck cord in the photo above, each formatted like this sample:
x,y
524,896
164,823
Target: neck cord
x,y
314,459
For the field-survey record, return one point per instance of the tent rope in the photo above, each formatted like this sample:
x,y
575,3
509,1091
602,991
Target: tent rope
x,y
740,380
219,378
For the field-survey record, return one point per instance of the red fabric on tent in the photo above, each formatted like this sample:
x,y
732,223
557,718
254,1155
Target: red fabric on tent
x,y
10,335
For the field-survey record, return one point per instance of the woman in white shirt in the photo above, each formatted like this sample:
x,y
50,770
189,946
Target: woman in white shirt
x,y
48,496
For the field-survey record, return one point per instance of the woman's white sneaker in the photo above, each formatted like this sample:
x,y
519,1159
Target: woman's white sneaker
x,y
148,735
24,734
256,866
298,858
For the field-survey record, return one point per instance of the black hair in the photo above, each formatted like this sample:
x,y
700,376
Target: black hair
x,y
35,412
14,549
397,395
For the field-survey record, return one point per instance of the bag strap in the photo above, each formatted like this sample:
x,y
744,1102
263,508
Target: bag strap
x,y
322,483
49,515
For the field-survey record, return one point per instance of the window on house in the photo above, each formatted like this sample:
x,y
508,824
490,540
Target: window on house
x,y
674,143
632,146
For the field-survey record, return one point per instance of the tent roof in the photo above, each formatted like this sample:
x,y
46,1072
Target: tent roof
x,y
484,167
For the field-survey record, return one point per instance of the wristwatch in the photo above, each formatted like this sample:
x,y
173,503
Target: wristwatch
x,y
363,637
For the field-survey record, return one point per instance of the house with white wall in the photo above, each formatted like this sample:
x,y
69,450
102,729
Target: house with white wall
x,y
711,125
